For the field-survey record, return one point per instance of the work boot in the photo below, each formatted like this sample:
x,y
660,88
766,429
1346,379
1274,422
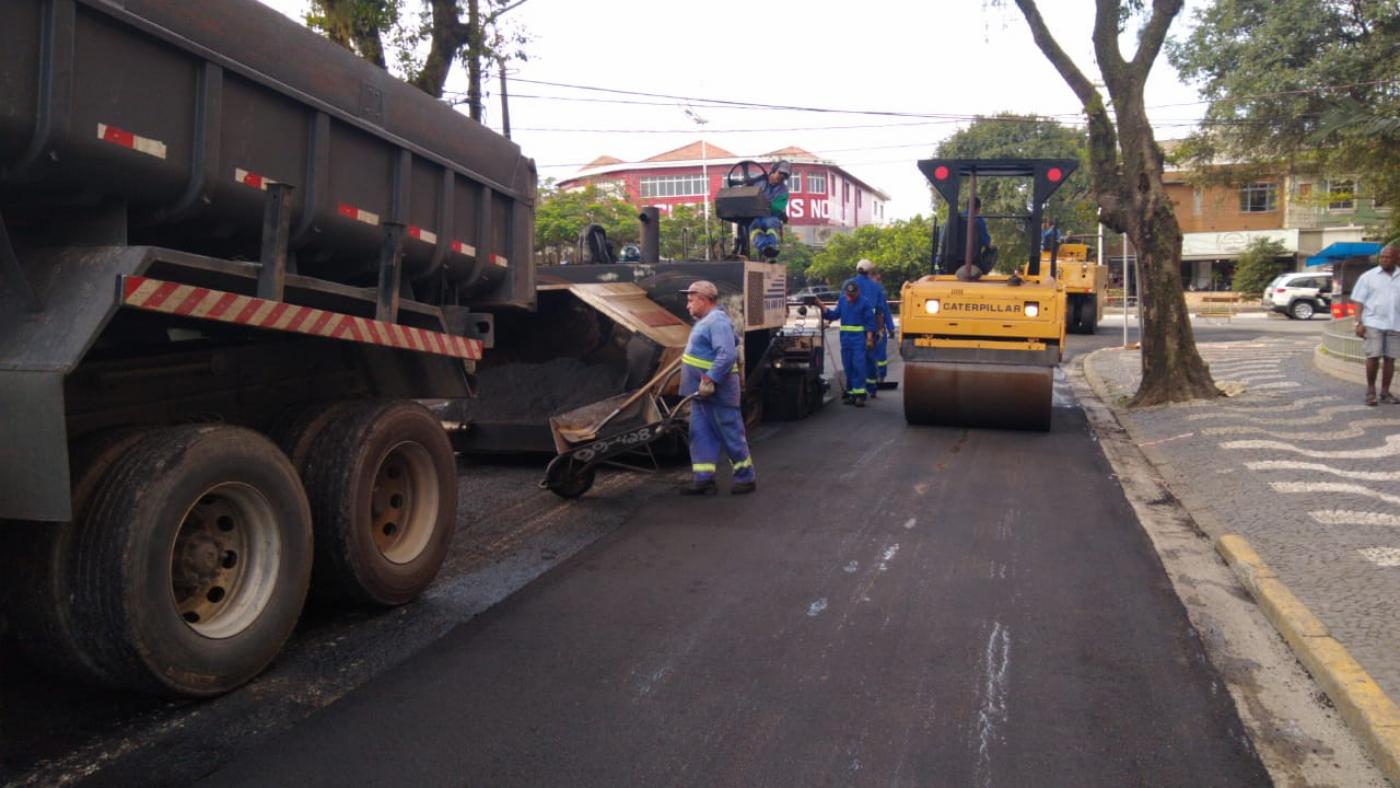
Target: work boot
x,y
847,399
700,488
873,395
743,488
860,402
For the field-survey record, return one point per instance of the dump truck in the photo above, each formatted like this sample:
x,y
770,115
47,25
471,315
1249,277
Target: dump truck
x,y
1086,284
233,258
237,265
980,349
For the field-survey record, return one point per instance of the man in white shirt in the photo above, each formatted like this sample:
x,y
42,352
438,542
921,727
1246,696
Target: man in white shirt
x,y
1378,322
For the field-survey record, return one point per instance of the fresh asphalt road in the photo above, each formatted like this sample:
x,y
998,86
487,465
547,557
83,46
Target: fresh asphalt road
x,y
53,731
896,605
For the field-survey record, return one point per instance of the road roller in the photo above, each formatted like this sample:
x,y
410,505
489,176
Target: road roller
x,y
979,347
1086,284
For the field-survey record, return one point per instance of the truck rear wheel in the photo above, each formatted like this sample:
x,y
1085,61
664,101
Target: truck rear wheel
x,y
382,480
34,565
296,430
191,564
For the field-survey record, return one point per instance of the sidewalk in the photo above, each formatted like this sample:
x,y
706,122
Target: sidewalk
x,y
1298,466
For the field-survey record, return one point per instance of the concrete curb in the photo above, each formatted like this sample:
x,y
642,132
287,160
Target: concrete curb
x,y
1369,712
1363,704
1350,371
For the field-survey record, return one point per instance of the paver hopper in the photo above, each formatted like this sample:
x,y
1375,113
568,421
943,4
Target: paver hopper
x,y
980,349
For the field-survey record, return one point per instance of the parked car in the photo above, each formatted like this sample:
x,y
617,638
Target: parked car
x,y
1299,295
821,292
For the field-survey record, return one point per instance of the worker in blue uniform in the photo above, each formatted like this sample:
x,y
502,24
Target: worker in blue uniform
x,y
983,253
877,359
763,230
708,372
857,318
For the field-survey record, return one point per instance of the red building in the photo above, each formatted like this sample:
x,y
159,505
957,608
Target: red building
x,y
824,198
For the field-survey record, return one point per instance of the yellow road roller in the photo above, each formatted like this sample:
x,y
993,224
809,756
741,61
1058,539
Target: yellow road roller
x,y
980,348
1086,284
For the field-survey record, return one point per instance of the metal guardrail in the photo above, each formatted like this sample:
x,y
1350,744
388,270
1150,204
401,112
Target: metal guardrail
x,y
1339,340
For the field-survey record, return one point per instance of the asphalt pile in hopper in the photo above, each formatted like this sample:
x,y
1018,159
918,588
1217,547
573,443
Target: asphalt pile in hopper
x,y
530,393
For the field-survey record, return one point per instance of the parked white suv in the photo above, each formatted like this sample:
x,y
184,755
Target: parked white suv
x,y
1299,295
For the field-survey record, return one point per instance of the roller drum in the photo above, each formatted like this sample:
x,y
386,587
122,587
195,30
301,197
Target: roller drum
x,y
1002,396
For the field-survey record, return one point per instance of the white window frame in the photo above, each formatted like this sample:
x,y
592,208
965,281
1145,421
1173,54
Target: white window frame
x,y
683,185
1250,191
795,183
1341,206
816,183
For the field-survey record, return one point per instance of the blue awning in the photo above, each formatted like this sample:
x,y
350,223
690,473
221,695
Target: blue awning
x,y
1344,250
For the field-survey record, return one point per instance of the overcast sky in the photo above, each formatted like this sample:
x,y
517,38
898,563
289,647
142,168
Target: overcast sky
x,y
951,58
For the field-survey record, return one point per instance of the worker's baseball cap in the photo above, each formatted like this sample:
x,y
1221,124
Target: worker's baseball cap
x,y
865,265
783,166
703,288
852,288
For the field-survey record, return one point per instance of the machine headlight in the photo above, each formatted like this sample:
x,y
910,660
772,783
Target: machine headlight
x,y
931,306
1032,309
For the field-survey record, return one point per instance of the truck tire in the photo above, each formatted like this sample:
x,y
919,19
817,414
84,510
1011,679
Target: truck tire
x,y
296,429
382,481
192,561
1302,309
34,565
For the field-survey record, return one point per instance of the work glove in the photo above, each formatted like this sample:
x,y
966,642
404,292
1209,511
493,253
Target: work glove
x,y
707,387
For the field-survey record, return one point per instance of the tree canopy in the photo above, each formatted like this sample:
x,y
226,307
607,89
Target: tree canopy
x,y
1311,83
1008,135
560,216
423,38
900,251
1261,261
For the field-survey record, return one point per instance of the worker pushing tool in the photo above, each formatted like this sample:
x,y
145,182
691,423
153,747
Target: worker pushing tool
x,y
857,318
707,371
873,292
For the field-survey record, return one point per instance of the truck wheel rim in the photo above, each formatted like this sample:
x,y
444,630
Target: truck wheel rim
x,y
225,560
404,503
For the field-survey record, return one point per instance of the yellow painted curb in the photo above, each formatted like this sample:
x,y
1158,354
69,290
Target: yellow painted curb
x,y
1363,704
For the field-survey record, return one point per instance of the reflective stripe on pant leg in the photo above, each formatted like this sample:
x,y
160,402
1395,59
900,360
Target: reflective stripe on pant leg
x,y
704,441
736,445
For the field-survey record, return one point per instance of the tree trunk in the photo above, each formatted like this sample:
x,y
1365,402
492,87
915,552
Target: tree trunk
x,y
1125,167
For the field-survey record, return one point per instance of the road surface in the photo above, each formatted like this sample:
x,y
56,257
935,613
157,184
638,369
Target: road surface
x,y
1022,626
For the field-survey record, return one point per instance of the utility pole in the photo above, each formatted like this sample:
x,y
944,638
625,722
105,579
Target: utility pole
x,y
505,98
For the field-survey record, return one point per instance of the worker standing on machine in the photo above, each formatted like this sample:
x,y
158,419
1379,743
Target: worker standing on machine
x,y
876,359
857,318
707,371
763,231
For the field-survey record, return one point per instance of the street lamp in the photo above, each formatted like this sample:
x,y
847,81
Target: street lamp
x,y
704,173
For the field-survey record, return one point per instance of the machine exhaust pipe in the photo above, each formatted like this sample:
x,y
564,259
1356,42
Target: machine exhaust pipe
x,y
651,234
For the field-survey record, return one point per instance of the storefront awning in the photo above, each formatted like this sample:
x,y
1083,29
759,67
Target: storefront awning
x,y
1344,250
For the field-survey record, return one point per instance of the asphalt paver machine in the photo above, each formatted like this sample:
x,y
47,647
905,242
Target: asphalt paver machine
x,y
980,349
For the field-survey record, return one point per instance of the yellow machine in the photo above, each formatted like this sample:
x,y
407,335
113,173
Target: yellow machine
x,y
1086,285
980,349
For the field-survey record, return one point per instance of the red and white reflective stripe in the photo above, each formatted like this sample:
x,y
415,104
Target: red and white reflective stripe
x,y
359,215
252,179
467,249
155,295
126,139
499,260
426,236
